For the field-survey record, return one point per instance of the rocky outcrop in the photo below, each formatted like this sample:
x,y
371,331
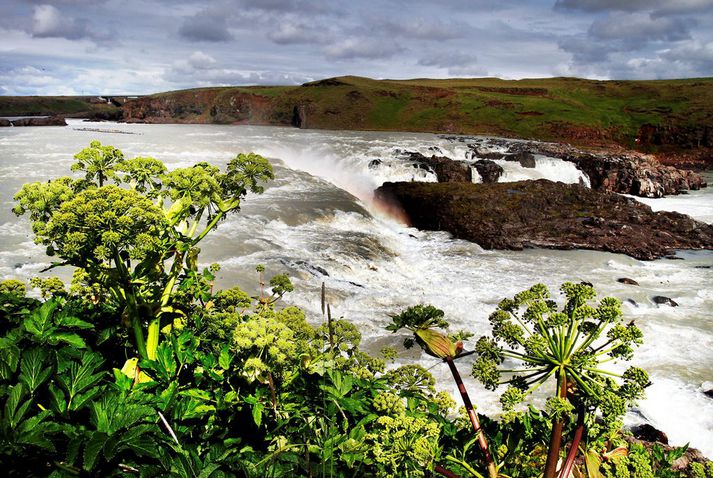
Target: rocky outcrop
x,y
546,214
489,171
622,171
37,121
446,170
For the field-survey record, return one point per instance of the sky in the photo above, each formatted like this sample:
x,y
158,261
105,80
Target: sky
x,y
71,47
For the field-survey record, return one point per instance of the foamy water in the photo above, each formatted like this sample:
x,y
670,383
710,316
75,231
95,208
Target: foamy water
x,y
316,222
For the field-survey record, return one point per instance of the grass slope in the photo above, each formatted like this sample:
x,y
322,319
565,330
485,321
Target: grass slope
x,y
76,106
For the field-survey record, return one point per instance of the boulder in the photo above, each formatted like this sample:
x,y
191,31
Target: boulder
x,y
663,300
626,280
446,170
649,433
5,122
708,393
375,163
546,214
489,171
525,158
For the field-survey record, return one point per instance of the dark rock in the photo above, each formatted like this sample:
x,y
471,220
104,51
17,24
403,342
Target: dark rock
x,y
632,302
447,170
5,122
47,121
626,280
299,116
546,214
622,172
708,393
525,158
375,163
649,433
489,171
704,267
662,300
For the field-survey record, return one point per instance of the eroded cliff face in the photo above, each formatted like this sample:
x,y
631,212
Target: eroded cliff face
x,y
211,105
546,214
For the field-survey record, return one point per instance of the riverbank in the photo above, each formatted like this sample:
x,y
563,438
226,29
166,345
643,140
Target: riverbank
x,y
672,119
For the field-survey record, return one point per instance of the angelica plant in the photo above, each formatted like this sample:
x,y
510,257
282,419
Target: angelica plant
x,y
571,347
422,320
135,239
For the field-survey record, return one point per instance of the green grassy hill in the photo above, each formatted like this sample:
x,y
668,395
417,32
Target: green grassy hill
x,y
666,115
673,114
71,106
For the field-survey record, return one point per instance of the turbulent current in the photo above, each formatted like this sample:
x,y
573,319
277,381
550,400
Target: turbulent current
x,y
318,223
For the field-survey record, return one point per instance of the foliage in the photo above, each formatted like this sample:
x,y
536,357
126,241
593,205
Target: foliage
x,y
141,368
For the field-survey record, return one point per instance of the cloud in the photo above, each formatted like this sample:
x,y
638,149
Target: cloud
x,y
290,32
207,26
640,28
360,47
48,22
424,29
201,69
456,63
658,7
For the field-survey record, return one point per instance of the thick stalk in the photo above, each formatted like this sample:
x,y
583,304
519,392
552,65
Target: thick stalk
x,y
556,435
132,306
443,472
574,447
492,470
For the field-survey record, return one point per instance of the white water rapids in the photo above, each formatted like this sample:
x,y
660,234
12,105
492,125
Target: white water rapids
x,y
317,223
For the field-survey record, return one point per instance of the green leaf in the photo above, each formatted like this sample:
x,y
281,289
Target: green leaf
x,y
92,449
9,358
59,401
224,358
32,372
39,322
71,339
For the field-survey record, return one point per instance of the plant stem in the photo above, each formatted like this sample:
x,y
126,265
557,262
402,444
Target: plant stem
x,y
574,447
443,472
556,435
492,470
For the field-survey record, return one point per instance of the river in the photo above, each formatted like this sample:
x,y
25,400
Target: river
x,y
317,223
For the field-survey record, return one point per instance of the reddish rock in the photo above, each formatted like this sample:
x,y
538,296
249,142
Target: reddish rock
x,y
546,214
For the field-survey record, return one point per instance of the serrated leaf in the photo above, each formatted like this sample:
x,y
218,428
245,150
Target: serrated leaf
x,y
71,339
59,402
9,358
92,449
224,359
32,370
74,322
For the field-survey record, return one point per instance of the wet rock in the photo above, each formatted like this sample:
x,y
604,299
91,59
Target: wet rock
x,y
447,170
649,433
546,214
525,158
632,302
708,393
375,163
47,121
626,280
663,300
5,122
625,172
489,171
